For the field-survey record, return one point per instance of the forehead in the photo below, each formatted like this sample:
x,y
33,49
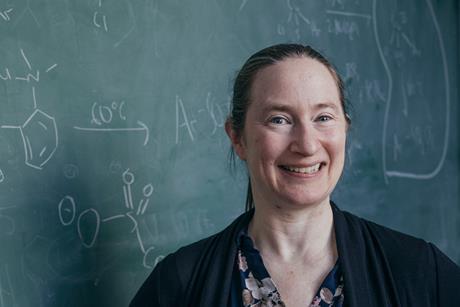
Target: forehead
x,y
298,80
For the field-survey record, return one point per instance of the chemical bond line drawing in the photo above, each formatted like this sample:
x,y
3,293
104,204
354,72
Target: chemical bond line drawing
x,y
67,210
398,36
99,19
5,14
27,9
104,116
39,136
29,76
368,17
296,21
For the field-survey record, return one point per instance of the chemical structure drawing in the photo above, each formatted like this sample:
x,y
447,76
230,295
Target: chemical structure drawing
x,y
398,35
102,11
5,14
400,39
103,117
67,210
39,136
296,21
27,11
31,75
99,19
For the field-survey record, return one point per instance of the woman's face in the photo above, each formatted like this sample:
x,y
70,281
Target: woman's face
x,y
294,135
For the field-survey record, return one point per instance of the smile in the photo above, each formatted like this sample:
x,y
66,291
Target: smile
x,y
303,170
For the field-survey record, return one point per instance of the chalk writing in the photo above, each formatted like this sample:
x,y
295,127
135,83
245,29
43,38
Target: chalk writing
x,y
89,238
132,26
351,71
398,36
346,27
415,131
2,176
67,212
100,20
334,3
39,136
210,118
103,116
182,122
297,21
371,90
5,14
29,11
29,76
70,171
349,14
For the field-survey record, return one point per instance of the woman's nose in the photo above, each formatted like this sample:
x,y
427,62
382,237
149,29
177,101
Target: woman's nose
x,y
304,140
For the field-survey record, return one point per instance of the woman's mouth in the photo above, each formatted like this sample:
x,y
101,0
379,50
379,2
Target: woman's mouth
x,y
302,170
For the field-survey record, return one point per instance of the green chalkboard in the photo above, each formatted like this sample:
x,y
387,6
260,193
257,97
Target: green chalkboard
x,y
112,148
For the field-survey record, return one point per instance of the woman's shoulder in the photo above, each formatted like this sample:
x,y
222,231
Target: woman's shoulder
x,y
403,253
190,266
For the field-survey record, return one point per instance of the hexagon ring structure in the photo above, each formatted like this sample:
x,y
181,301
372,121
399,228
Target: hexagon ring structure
x,y
40,138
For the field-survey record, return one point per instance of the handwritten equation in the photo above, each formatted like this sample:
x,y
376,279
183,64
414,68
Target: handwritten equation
x,y
210,118
104,116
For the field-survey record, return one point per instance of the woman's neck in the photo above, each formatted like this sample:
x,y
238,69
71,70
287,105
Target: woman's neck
x,y
291,235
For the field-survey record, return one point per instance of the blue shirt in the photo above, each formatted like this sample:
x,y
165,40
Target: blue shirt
x,y
253,286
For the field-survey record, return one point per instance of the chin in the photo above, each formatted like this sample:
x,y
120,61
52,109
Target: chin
x,y
306,202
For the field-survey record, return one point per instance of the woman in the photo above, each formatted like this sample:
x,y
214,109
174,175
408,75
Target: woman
x,y
293,246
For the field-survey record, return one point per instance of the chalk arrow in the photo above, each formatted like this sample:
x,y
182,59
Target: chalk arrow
x,y
142,127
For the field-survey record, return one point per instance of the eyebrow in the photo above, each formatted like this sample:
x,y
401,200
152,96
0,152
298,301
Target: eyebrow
x,y
276,107
286,108
325,105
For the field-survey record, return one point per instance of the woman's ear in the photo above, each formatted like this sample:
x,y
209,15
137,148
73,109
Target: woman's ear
x,y
237,141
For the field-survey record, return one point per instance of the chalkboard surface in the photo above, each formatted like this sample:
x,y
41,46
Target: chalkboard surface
x,y
112,146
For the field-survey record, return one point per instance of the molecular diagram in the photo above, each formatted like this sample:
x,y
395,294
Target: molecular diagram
x,y
39,136
68,213
39,132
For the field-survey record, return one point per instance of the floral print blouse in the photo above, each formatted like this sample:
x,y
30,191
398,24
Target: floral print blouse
x,y
252,285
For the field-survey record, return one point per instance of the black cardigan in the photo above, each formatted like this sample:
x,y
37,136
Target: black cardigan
x,y
381,267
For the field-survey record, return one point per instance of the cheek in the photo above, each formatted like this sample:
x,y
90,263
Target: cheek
x,y
336,145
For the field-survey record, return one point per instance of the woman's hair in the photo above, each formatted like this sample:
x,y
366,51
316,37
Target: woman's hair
x,y
243,82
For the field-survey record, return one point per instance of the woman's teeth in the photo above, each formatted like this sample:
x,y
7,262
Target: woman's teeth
x,y
303,170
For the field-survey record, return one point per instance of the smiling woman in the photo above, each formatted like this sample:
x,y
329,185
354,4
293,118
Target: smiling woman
x,y
294,135
294,246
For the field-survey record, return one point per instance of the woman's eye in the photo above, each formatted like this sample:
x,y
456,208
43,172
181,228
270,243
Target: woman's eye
x,y
324,118
278,120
